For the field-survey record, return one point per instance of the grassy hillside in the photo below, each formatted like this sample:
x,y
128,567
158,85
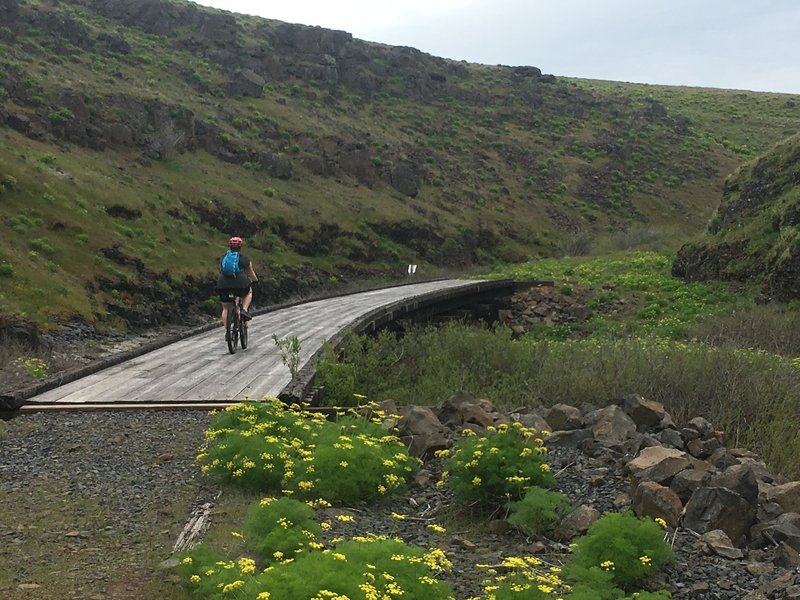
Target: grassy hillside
x,y
136,137
755,233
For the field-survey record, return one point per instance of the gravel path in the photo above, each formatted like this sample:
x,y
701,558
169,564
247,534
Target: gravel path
x,y
93,502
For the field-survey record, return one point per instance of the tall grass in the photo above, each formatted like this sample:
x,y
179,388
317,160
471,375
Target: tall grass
x,y
752,395
771,327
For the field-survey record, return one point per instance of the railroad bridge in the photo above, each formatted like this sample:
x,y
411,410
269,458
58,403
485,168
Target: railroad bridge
x,y
195,370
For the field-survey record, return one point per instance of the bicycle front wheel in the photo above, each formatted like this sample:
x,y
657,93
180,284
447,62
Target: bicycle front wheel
x,y
243,333
232,330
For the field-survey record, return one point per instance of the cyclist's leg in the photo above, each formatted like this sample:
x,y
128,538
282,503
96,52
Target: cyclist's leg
x,y
247,299
227,300
226,306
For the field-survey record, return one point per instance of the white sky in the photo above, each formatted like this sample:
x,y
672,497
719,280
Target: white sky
x,y
737,44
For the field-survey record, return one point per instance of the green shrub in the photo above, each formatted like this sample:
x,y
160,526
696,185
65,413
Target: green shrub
x,y
266,447
539,510
524,578
6,270
501,467
274,529
7,182
61,115
209,575
362,568
625,546
338,378
40,245
367,567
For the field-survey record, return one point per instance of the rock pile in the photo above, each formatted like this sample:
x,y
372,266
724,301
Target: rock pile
x,y
544,304
631,455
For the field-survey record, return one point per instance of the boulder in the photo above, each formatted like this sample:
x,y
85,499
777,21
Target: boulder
x,y
712,508
658,464
785,528
612,426
671,438
657,501
688,481
647,414
462,408
532,421
422,432
718,542
576,523
703,448
405,178
787,495
246,83
722,459
740,479
563,417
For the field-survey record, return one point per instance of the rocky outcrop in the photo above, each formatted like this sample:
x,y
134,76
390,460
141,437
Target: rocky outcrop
x,y
732,497
9,13
752,236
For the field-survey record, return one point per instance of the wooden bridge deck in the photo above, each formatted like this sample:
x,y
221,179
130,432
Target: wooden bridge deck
x,y
199,369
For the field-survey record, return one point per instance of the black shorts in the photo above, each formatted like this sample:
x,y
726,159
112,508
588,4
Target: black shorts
x,y
231,294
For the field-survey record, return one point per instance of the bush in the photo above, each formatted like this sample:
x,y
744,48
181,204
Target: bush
x,y
209,575
61,115
363,568
266,447
280,528
492,470
623,545
372,567
539,510
40,245
337,378
6,270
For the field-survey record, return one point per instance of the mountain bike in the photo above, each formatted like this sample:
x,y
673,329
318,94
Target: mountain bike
x,y
235,327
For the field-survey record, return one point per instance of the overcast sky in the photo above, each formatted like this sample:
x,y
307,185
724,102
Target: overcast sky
x,y
738,44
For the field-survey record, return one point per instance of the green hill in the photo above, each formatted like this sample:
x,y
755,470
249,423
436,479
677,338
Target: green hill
x,y
137,136
755,234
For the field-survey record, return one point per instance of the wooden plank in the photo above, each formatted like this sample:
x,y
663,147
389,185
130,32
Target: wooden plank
x,y
262,386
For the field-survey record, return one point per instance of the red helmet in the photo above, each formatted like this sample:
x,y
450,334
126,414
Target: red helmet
x,y
235,243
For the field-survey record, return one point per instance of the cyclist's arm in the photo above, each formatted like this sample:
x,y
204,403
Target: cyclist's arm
x,y
251,272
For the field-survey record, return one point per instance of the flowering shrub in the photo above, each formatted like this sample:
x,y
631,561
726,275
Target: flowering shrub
x,y
267,447
211,576
625,547
539,510
371,567
497,468
364,568
274,529
524,578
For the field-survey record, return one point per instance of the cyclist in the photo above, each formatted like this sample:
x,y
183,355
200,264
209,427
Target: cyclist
x,y
230,287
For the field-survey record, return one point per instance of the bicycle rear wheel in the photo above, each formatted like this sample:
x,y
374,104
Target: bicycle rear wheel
x,y
243,333
232,330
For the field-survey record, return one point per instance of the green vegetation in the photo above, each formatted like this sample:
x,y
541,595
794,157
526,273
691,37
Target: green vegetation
x,y
504,166
699,349
269,448
490,471
755,234
295,557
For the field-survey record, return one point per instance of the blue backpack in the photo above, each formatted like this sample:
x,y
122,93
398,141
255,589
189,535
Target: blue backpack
x,y
230,264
